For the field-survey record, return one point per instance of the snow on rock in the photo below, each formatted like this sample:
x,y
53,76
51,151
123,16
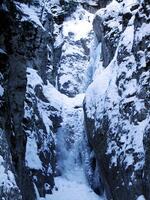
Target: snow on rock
x,y
29,14
8,186
74,24
54,45
8,183
32,157
1,90
95,95
7,179
116,114
33,108
75,52
46,113
104,84
141,197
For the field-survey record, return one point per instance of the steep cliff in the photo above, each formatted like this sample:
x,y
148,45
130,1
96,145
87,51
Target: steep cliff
x,y
117,102
28,118
33,38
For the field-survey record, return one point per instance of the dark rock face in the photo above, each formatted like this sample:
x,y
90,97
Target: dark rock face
x,y
107,35
91,168
27,44
15,86
103,3
117,120
8,186
30,115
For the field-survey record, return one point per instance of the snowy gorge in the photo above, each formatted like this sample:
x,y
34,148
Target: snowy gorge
x,y
74,100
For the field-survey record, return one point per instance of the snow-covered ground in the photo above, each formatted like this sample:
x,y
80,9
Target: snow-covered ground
x,y
71,184
72,190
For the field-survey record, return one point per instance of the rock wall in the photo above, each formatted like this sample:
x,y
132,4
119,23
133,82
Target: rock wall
x,y
28,119
31,45
75,52
117,100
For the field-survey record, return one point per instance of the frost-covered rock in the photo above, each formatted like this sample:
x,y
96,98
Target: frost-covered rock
x,y
117,101
42,118
75,52
8,186
28,118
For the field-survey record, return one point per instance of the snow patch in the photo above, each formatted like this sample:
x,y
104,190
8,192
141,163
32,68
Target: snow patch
x,y
141,197
29,14
72,190
7,179
1,91
80,24
32,158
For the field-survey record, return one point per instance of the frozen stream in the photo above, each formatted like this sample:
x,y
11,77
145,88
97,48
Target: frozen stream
x,y
71,184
